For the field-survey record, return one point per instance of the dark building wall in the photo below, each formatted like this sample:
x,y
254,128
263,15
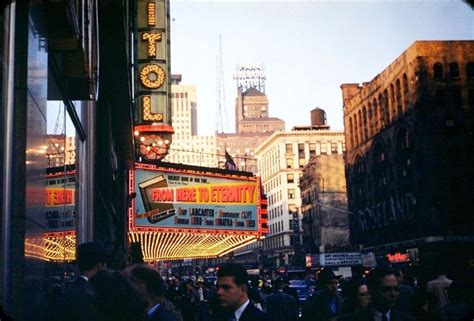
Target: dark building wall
x,y
410,146
324,203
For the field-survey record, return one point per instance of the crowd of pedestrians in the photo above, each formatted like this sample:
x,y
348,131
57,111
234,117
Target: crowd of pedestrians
x,y
139,293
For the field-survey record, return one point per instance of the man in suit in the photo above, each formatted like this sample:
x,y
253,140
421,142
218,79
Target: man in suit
x,y
281,306
384,291
76,303
153,287
327,304
232,293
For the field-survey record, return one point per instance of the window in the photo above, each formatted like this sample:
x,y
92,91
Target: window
x,y
454,70
289,149
291,194
312,150
470,70
324,148
440,97
301,162
333,147
471,99
456,97
438,71
291,209
289,162
290,177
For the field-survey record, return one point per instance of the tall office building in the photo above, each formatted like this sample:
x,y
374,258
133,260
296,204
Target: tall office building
x,y
188,147
281,159
252,122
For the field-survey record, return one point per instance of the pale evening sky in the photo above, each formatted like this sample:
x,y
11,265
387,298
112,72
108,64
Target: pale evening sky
x,y
308,48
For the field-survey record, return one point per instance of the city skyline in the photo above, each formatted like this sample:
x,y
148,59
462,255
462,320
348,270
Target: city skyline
x,y
310,48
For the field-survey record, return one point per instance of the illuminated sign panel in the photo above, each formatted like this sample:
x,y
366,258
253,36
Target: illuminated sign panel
x,y
184,200
180,213
152,78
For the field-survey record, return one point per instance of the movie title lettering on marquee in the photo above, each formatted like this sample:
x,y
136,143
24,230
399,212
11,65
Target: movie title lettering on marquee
x,y
244,194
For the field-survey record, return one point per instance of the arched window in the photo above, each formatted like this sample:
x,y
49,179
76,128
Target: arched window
x,y
438,71
386,107
358,179
365,125
454,70
381,111
390,103
393,110
379,169
470,70
398,93
370,119
375,115
356,130
361,127
351,132
406,93
403,151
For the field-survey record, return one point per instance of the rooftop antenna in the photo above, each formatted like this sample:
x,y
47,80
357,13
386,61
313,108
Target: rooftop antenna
x,y
221,113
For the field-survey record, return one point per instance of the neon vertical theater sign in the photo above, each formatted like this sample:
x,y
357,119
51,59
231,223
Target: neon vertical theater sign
x,y
153,117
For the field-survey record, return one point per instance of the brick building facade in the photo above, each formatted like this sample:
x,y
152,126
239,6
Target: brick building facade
x,y
409,136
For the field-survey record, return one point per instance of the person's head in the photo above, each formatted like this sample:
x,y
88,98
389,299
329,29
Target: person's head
x,y
383,288
91,257
200,282
278,283
117,298
232,285
151,281
329,281
363,296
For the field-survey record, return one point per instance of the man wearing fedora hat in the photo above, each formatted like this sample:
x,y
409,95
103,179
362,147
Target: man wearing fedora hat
x,y
327,304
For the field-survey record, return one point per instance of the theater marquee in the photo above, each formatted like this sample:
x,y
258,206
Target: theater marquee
x,y
188,214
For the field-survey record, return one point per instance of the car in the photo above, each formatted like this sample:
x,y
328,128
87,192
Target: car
x,y
211,279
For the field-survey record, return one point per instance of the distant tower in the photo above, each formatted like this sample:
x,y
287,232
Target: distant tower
x,y
221,112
